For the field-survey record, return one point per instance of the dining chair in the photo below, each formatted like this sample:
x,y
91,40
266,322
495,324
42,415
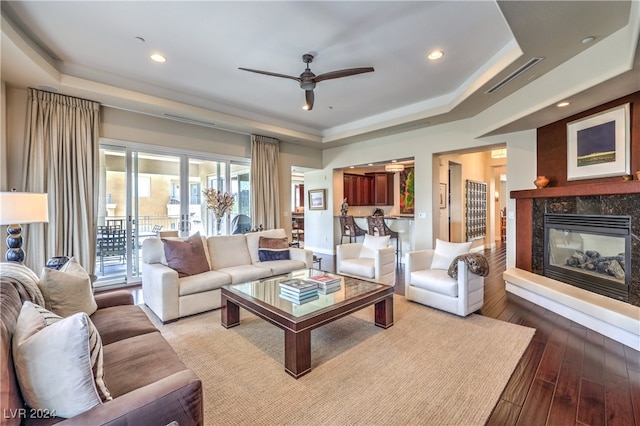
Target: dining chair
x,y
378,226
349,228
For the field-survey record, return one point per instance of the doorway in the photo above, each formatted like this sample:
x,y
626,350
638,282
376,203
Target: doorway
x,y
455,203
486,166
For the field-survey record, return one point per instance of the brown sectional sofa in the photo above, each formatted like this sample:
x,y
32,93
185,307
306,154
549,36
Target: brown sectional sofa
x,y
148,382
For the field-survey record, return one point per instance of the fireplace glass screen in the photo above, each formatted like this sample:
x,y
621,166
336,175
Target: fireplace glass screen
x,y
593,254
595,258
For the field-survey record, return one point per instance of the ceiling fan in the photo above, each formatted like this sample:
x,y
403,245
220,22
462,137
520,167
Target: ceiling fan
x,y
308,79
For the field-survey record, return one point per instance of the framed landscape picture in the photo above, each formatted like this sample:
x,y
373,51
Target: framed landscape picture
x,y
599,145
317,199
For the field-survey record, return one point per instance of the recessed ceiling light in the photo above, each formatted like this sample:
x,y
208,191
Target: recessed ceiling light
x,y
588,40
562,104
370,164
436,54
352,167
158,58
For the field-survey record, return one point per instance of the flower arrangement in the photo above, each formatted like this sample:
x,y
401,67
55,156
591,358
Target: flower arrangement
x,y
217,201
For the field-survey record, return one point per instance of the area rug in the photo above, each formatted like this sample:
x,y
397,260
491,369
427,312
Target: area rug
x,y
429,368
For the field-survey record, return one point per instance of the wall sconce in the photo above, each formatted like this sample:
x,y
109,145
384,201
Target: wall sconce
x,y
20,207
497,195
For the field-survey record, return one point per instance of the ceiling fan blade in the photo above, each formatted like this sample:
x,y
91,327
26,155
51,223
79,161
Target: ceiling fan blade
x,y
342,73
273,74
308,96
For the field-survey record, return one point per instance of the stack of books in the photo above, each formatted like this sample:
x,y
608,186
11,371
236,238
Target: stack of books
x,y
326,283
298,291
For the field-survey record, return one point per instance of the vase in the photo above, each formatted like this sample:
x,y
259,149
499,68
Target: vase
x,y
218,226
541,182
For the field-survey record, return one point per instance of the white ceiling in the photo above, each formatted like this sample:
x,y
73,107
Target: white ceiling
x,y
76,44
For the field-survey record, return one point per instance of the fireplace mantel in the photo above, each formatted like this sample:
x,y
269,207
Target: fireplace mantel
x,y
611,188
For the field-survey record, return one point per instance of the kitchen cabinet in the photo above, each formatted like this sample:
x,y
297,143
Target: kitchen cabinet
x,y
382,189
370,189
358,189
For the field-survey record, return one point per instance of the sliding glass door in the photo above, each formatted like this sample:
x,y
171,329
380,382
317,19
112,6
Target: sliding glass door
x,y
145,194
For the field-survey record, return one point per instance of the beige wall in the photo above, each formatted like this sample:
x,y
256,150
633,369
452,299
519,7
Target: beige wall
x,y
16,114
3,137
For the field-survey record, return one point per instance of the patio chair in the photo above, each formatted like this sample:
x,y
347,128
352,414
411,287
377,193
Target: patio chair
x,y
112,244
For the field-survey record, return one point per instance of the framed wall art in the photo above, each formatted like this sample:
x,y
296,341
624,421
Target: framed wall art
x,y
443,196
406,191
599,145
317,199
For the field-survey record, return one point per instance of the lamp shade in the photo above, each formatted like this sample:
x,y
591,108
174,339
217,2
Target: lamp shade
x,y
23,207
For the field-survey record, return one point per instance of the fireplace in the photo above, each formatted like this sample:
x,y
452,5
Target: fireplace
x,y
592,252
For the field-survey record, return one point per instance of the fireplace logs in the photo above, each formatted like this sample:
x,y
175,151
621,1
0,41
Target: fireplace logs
x,y
591,260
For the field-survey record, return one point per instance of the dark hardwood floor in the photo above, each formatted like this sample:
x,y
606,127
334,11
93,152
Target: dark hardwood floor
x,y
569,375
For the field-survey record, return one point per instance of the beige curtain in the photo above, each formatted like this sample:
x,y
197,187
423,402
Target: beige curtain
x,y
265,194
61,159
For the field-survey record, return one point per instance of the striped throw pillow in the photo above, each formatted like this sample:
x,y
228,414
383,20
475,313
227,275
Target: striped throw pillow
x,y
69,350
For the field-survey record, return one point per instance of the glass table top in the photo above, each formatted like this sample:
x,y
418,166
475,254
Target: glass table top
x,y
268,291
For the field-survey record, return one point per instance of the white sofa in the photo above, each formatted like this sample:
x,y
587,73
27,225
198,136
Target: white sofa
x,y
375,264
232,259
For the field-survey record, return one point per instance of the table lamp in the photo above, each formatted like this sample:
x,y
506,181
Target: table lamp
x,y
20,207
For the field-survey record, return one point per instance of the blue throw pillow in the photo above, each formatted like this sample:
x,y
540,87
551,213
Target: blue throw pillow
x,y
273,249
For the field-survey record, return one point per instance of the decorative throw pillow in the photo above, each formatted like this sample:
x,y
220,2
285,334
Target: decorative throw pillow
x,y
273,249
445,252
371,244
58,361
67,291
186,257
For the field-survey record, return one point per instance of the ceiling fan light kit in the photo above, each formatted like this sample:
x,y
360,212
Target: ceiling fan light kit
x,y
308,79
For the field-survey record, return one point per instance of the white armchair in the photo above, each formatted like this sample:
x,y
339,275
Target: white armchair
x,y
373,259
435,288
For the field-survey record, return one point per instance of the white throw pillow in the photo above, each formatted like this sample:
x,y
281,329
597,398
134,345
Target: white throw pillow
x,y
445,253
371,244
67,291
58,361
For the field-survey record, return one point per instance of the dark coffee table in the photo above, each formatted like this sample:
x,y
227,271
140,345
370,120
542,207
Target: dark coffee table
x,y
262,299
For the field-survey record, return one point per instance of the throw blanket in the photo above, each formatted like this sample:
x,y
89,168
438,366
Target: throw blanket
x,y
24,279
476,263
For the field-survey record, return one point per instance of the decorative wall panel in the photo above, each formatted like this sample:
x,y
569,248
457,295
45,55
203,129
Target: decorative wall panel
x,y
476,207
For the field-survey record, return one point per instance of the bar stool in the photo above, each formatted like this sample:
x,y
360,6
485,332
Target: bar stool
x,y
377,226
349,228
